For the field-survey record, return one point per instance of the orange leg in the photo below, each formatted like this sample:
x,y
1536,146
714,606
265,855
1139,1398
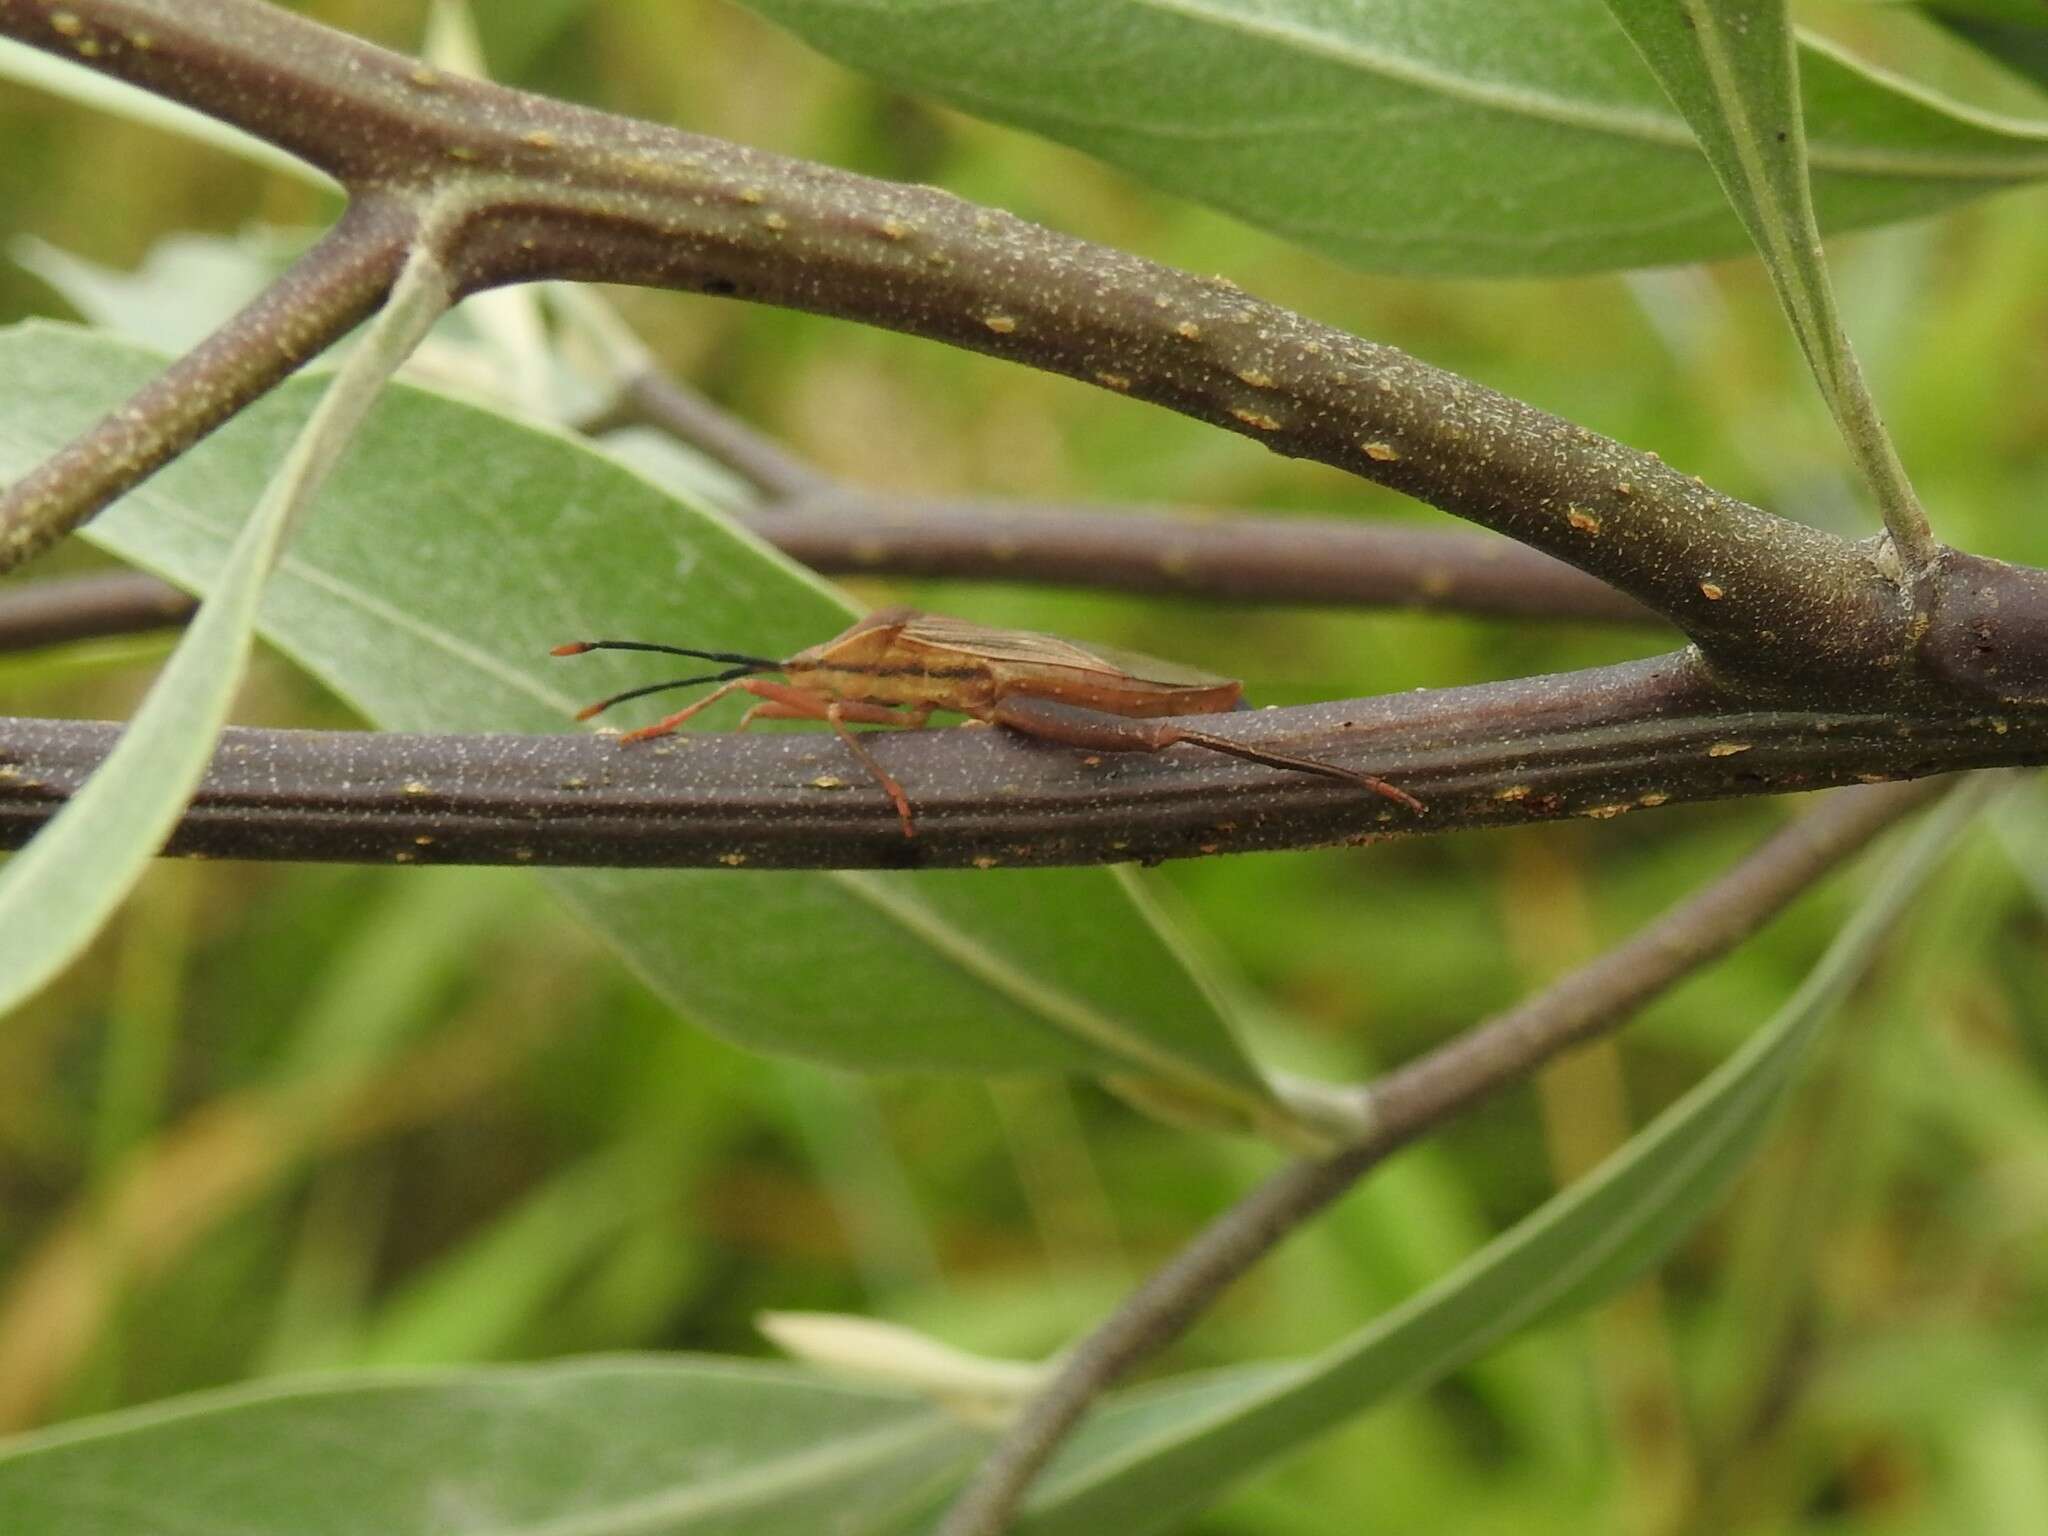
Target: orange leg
x,y
780,701
1100,731
666,726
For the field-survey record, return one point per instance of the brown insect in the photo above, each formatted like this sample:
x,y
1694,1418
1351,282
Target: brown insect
x,y
896,666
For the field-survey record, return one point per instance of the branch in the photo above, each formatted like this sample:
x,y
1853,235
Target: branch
x,y
1162,550
1295,560
342,279
554,190
1595,999
649,395
1597,744
36,614
841,530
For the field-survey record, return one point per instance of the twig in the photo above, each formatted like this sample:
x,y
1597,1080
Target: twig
x,y
1598,744
650,395
843,530
1293,560
1597,998
1162,550
40,613
344,277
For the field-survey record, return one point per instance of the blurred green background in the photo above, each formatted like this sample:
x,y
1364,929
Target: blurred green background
x,y
285,1118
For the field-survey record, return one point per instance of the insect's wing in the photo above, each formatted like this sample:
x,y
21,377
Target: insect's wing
x,y
1048,666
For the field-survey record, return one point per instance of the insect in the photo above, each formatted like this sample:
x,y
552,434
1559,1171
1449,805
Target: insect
x,y
897,666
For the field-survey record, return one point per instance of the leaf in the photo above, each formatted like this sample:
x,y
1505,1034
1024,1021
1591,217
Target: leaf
x,y
1459,137
59,891
183,288
1154,1454
1730,67
457,546
614,1447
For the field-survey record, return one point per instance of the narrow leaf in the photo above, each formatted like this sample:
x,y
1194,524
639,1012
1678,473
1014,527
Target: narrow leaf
x,y
1730,67
58,891
1155,1454
616,1447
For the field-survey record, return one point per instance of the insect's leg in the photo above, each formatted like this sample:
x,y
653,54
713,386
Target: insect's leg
x,y
814,708
1098,730
667,725
838,712
780,701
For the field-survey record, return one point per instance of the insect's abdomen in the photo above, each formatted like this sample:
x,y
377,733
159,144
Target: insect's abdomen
x,y
965,689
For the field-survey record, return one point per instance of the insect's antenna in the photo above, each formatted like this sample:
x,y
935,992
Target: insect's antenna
x,y
753,663
681,682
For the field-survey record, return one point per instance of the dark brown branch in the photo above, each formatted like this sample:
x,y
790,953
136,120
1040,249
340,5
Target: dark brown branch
x,y
1595,999
40,613
1295,560
562,191
1167,550
343,278
842,530
1597,744
651,396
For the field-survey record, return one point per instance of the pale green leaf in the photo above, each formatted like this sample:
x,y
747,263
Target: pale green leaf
x,y
1428,136
611,1447
58,891
1155,1454
457,546
1730,67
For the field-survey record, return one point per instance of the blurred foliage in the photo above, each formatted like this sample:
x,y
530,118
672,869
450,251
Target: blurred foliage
x,y
305,1118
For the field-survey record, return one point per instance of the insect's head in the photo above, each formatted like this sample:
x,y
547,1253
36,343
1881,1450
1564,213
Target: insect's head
x,y
743,666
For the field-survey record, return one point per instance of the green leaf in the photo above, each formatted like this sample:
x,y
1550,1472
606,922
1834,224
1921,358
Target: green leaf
x,y
1464,136
616,1447
456,546
1729,65
1154,1454
60,890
